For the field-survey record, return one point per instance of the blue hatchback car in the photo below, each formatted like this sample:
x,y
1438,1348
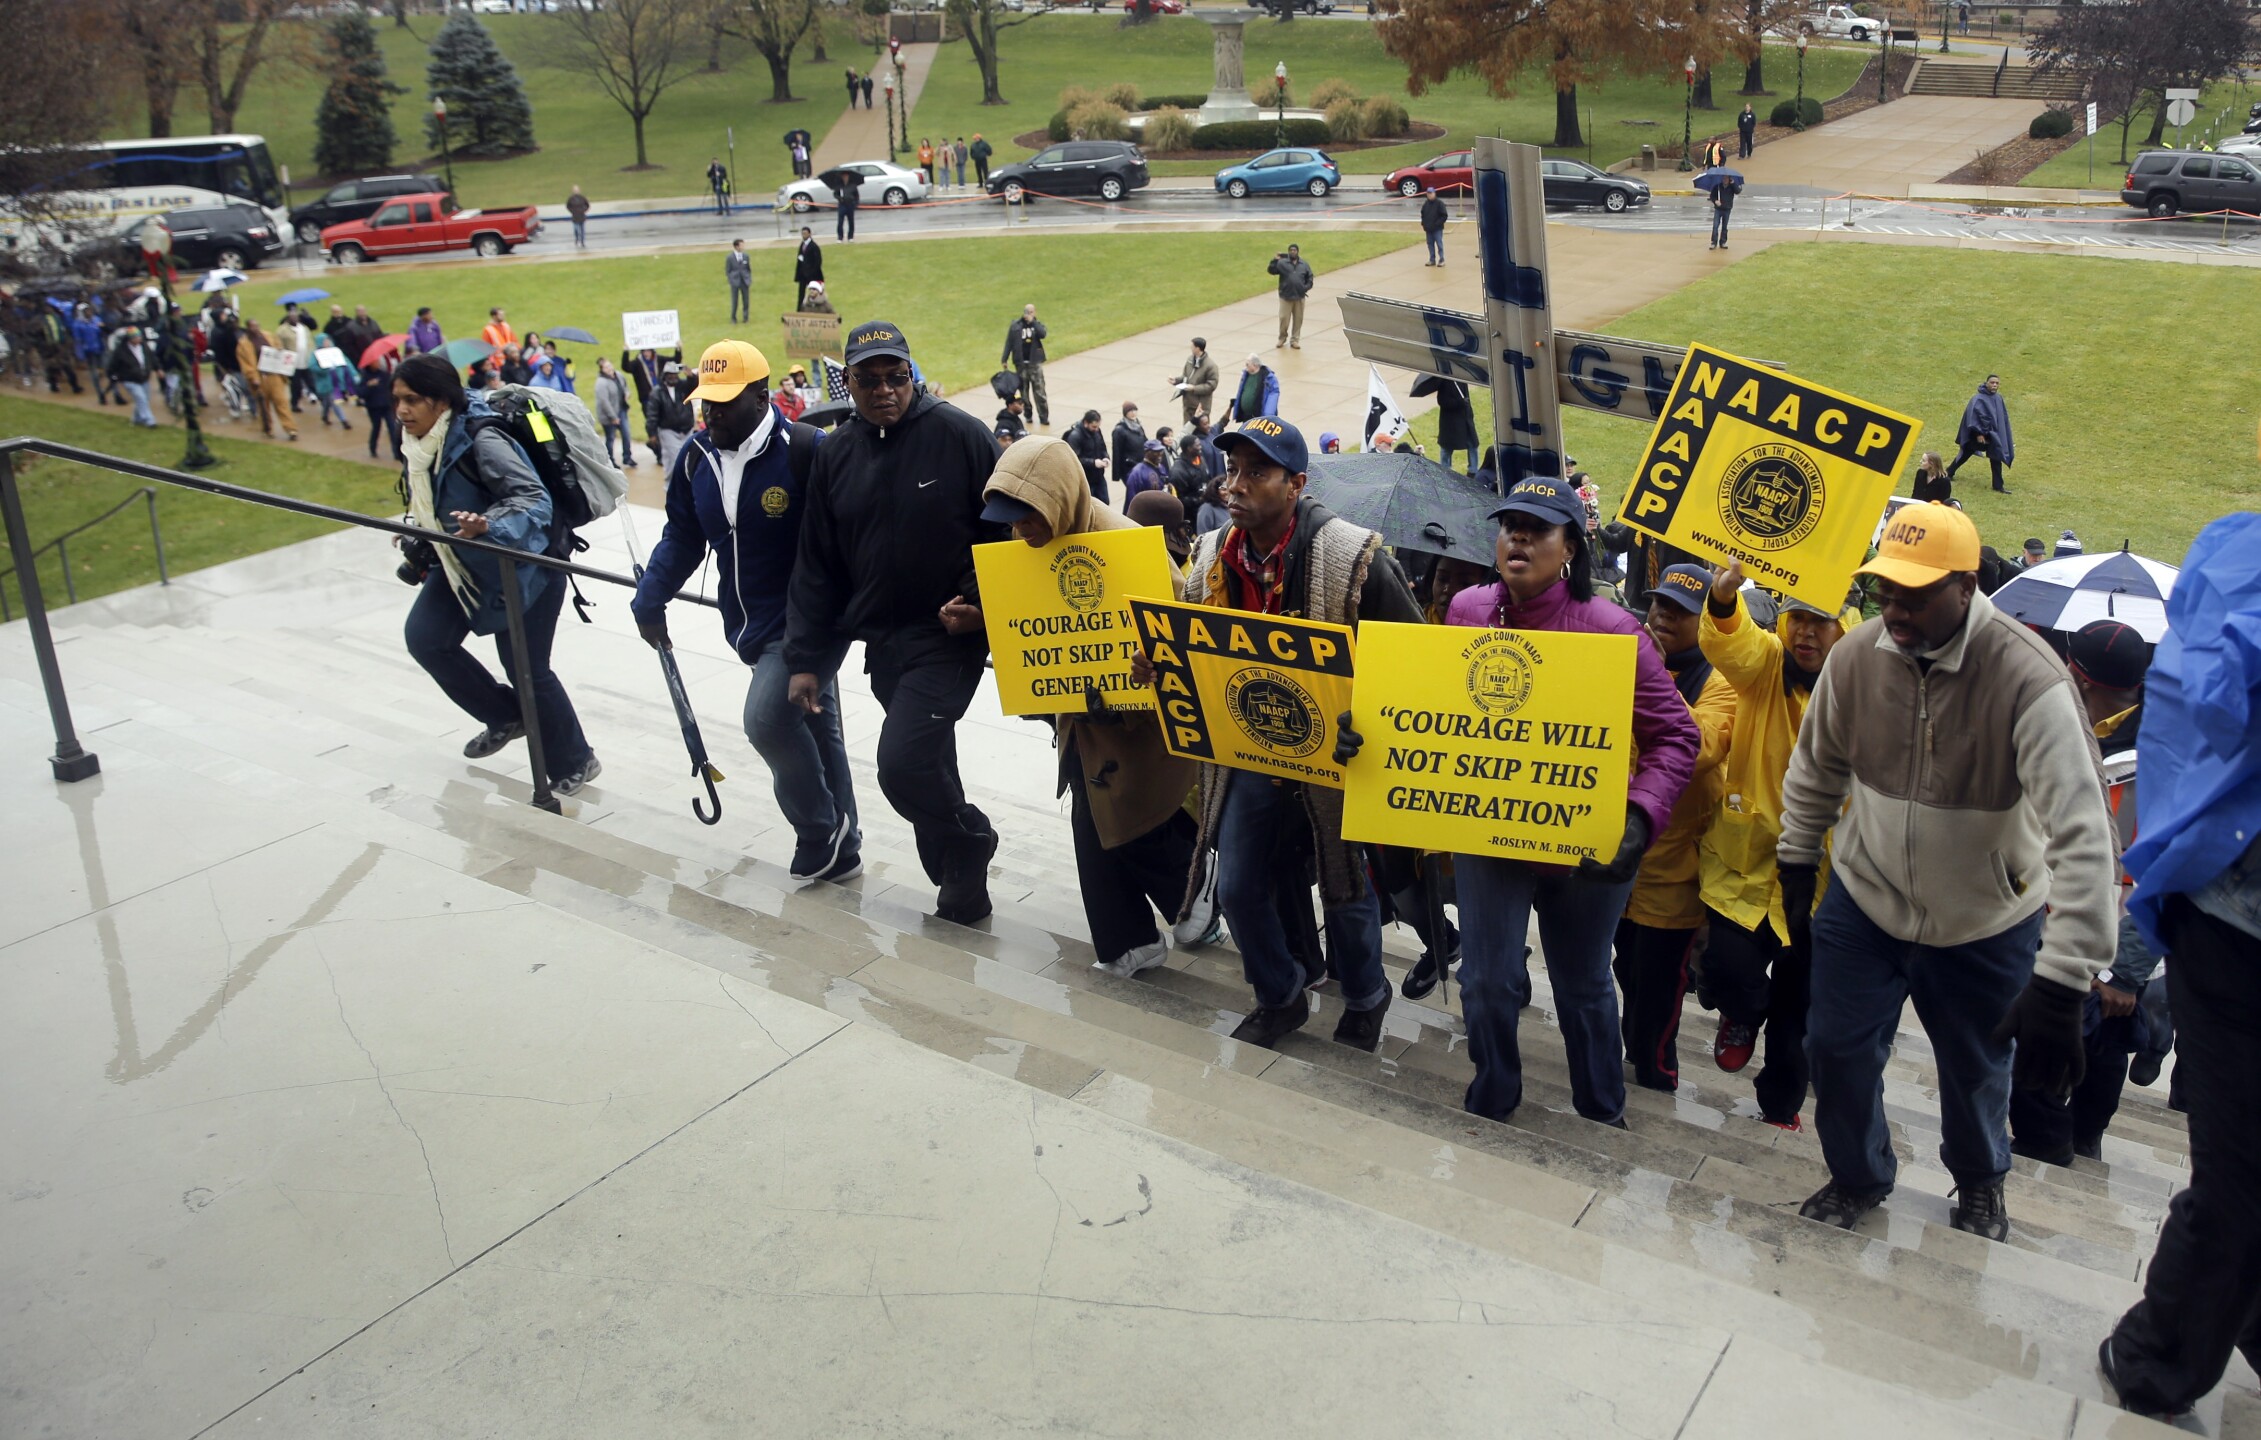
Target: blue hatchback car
x,y
1276,172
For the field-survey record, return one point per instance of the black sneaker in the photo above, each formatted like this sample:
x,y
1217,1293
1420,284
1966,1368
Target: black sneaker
x,y
1362,1029
964,898
1422,978
573,782
1266,1027
2107,1365
812,858
1834,1204
491,739
847,867
2089,1147
2144,1069
1980,1212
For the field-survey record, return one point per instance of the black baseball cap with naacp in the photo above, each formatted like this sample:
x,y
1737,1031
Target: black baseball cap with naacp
x,y
1274,439
877,339
1550,499
1686,586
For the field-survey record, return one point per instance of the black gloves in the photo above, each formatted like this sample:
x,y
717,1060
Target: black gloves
x,y
1348,742
2045,1022
1798,900
1627,862
655,633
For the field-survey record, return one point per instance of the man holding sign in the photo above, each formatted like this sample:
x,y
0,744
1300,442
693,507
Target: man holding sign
x,y
1556,804
1288,556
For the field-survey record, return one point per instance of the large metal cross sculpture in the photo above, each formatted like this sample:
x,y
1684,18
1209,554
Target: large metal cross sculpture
x,y
1541,369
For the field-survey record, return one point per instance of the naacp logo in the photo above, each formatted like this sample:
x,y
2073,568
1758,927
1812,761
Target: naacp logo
x,y
776,500
1770,496
1081,582
1499,676
1276,713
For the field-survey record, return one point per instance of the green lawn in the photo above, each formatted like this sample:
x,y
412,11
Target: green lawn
x,y
199,530
952,296
585,138
2221,106
2119,436
1172,56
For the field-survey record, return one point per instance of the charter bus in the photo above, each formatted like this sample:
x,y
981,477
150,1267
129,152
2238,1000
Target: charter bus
x,y
117,183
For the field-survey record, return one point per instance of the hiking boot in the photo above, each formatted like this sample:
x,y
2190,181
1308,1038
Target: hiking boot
x,y
1980,1212
1362,1029
1265,1027
572,783
491,739
964,898
1731,1050
1423,977
1130,962
811,858
1834,1204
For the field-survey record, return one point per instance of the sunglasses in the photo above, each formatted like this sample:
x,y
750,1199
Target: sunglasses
x,y
897,380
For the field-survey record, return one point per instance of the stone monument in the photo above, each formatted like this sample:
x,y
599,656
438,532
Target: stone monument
x,y
1228,92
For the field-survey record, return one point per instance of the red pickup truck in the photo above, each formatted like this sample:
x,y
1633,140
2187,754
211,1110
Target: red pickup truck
x,y
415,224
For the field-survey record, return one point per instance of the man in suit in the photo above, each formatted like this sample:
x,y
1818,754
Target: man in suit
x,y
808,264
738,269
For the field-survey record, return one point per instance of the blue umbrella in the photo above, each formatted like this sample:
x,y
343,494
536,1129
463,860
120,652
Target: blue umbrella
x,y
302,297
1713,179
62,305
568,332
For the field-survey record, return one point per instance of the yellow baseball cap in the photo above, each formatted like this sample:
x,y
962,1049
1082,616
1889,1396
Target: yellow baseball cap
x,y
727,367
1924,544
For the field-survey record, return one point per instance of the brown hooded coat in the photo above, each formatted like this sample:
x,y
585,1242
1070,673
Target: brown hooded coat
x,y
1133,782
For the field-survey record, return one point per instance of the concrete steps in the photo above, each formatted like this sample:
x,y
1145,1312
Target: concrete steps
x,y
1692,1208
2018,82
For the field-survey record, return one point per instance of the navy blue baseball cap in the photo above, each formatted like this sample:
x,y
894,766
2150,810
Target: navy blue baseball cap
x,y
1274,439
875,339
1684,585
1550,499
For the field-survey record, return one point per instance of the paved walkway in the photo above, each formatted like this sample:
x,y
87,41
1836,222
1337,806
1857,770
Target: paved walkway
x,y
1914,140
861,134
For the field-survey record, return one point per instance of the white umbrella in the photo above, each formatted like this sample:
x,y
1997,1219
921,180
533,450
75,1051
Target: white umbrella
x,y
2067,594
220,280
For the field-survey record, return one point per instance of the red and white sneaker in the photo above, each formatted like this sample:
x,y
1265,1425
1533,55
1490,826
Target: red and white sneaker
x,y
1731,1051
1794,1125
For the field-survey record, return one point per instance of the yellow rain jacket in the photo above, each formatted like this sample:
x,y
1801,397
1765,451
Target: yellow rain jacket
x,y
1666,894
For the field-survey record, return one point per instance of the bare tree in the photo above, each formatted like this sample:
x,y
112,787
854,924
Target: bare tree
x,y
977,21
229,51
635,50
775,28
144,33
2128,55
1758,18
42,123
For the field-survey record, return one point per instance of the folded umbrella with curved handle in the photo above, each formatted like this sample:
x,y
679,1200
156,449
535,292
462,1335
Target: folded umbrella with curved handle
x,y
701,767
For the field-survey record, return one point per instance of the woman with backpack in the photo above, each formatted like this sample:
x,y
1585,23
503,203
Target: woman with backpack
x,y
465,475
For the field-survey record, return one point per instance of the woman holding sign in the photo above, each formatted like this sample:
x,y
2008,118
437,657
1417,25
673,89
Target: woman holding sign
x,y
1547,583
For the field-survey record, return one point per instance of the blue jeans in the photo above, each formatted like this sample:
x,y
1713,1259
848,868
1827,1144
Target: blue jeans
x,y
139,390
1248,887
1719,214
580,232
1862,978
1436,239
806,754
436,630
627,454
1444,458
1577,926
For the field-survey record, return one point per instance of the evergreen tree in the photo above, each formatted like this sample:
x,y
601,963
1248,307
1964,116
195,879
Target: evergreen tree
x,y
353,126
487,110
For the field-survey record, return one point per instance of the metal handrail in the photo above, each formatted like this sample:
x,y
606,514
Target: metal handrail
x,y
72,761
61,544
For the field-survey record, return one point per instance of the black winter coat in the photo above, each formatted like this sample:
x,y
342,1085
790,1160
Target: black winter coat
x,y
1091,449
1456,421
888,536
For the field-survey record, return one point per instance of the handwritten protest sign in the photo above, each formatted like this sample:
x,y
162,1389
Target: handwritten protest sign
x,y
275,360
1059,617
650,329
809,337
1510,743
1752,464
1252,692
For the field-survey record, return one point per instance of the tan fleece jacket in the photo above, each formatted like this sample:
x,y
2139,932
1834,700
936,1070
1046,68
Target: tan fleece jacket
x,y
1971,792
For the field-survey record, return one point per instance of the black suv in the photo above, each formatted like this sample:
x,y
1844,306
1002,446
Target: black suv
x,y
1109,169
356,200
2199,181
230,237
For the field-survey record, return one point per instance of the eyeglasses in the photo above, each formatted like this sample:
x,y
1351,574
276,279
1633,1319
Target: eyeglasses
x,y
898,380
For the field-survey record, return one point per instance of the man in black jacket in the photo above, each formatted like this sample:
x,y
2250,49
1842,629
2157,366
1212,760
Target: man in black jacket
x,y
886,557
1295,287
1127,446
1024,356
643,371
1091,448
1433,218
808,264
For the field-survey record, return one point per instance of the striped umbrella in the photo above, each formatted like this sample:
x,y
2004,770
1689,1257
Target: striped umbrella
x,y
2066,594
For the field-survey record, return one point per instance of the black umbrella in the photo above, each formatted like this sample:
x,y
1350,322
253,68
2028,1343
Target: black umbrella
x,y
693,741
829,412
839,178
1415,503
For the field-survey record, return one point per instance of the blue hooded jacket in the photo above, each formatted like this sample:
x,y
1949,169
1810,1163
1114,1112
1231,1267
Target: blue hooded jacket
x,y
2198,793
1988,415
482,469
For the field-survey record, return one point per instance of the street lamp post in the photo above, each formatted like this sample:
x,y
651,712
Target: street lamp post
x,y
1280,92
1946,8
1798,121
1883,67
1688,119
890,86
447,156
157,249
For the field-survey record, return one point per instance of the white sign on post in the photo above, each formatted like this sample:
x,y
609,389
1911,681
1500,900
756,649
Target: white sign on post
x,y
650,329
2092,117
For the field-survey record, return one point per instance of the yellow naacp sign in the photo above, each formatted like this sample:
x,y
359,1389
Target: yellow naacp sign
x,y
1252,692
1058,617
1510,743
1751,464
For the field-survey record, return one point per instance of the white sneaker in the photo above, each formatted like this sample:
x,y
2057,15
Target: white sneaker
x,y
1145,957
1202,918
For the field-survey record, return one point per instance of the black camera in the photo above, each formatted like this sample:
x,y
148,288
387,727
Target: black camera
x,y
417,559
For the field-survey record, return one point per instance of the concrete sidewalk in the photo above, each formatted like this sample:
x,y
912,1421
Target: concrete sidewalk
x,y
861,134
1915,140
